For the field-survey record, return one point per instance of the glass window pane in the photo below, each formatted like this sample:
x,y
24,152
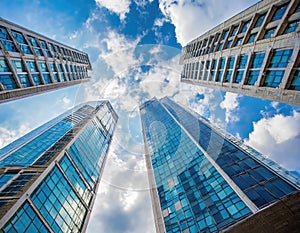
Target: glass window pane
x,y
279,12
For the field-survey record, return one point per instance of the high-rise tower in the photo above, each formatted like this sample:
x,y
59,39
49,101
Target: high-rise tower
x,y
49,177
31,63
205,180
254,53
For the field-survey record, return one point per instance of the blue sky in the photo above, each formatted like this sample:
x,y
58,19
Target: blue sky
x,y
134,47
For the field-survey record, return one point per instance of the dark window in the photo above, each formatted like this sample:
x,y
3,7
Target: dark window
x,y
252,37
234,31
280,58
291,27
269,32
246,26
229,44
258,60
252,77
260,20
279,12
295,85
273,78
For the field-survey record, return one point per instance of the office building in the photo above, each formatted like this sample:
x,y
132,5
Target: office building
x,y
49,177
205,180
254,53
31,63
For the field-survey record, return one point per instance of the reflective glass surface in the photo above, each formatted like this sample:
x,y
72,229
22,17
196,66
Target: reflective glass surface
x,y
59,204
295,85
34,148
260,20
75,179
258,60
280,58
221,69
239,166
279,12
193,196
291,27
25,221
252,77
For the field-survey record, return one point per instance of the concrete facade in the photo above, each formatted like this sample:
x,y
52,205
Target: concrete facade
x,y
227,57
31,63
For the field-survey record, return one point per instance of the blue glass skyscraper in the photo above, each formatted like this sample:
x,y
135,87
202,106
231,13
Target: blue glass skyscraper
x,y
49,177
205,180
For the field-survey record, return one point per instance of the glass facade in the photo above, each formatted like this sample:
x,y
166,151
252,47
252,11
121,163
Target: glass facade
x,y
67,157
194,167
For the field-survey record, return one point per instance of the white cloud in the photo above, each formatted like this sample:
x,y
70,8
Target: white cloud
x,y
120,56
159,22
120,7
230,104
7,136
193,18
278,137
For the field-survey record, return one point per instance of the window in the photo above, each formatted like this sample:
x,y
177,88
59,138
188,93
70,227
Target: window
x,y
246,26
213,69
18,66
255,68
35,45
273,78
6,41
258,60
225,34
291,27
207,70
280,58
269,32
260,20
229,44
8,82
229,69
21,41
221,69
241,68
220,46
3,66
31,66
45,48
234,31
43,66
252,37
25,220
22,74
252,77
239,41
279,12
295,85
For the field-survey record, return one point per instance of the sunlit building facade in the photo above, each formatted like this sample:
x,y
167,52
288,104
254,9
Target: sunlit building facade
x,y
31,63
49,177
205,180
254,53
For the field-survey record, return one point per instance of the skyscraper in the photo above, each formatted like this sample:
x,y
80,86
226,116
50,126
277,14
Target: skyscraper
x,y
205,180
31,63
49,178
255,53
